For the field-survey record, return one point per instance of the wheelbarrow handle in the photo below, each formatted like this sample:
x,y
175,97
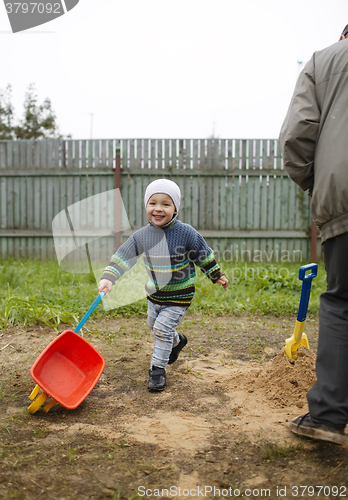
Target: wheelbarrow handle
x,y
91,309
306,288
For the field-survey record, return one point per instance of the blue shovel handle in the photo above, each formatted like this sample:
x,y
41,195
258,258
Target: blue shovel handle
x,y
91,309
306,288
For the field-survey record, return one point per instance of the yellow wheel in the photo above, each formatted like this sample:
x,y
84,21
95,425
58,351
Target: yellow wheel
x,y
35,392
35,405
49,405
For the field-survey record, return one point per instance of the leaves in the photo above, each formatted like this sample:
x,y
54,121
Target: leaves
x,y
6,114
38,122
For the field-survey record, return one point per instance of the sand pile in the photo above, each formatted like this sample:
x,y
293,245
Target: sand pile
x,y
285,382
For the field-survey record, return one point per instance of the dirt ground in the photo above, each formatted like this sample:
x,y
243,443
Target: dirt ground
x,y
219,430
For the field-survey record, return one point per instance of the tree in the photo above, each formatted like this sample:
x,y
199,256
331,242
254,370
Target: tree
x,y
39,120
6,114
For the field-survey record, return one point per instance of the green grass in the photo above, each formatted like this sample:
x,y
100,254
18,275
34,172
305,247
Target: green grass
x,y
266,288
33,292
274,451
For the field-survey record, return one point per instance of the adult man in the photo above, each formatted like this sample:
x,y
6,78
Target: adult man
x,y
314,142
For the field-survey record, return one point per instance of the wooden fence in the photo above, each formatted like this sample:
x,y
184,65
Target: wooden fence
x,y
235,192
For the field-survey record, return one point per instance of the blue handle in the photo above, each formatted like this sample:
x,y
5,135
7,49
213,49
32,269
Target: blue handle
x,y
90,310
306,288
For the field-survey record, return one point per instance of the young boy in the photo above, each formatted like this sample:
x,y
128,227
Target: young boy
x,y
170,249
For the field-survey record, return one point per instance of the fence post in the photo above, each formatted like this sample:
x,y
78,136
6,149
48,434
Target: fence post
x,y
118,199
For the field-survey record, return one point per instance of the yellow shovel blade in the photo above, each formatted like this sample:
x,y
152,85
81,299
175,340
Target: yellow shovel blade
x,y
298,338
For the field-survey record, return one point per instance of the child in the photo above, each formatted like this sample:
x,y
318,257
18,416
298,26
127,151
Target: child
x,y
170,249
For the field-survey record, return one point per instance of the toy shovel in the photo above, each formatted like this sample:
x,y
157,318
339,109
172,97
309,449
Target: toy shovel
x,y
68,369
299,338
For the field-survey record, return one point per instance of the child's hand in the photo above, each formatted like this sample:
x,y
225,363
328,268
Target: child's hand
x,y
105,283
223,281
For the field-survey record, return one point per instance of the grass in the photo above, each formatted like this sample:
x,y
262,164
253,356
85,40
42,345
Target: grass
x,y
270,288
274,451
34,292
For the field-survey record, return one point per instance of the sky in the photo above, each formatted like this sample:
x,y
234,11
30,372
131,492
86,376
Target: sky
x,y
164,69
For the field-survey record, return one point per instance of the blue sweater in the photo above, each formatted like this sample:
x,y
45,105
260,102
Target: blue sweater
x,y
170,253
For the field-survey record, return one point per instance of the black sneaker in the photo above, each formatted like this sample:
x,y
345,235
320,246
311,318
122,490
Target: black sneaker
x,y
175,351
304,426
157,379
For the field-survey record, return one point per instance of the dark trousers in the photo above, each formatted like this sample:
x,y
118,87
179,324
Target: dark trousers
x,y
328,398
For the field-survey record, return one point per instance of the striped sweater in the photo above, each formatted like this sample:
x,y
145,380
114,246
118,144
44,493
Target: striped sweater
x,y
170,254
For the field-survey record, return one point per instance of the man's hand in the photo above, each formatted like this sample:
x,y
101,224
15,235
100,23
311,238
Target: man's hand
x,y
223,281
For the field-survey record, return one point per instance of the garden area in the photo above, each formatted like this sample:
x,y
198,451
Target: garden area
x,y
219,430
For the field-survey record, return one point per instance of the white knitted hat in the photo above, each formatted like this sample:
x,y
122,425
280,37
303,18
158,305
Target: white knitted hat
x,y
164,186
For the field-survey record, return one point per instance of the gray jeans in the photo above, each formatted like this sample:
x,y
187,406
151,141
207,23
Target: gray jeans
x,y
328,398
163,320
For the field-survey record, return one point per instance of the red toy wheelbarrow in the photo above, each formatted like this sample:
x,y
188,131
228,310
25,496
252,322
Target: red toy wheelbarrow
x,y
68,369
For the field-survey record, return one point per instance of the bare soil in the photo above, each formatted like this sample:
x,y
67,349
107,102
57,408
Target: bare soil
x,y
221,426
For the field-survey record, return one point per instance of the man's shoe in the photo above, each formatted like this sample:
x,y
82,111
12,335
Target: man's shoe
x,y
304,426
175,351
157,379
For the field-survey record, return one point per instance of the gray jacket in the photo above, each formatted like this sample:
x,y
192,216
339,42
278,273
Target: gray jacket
x,y
314,137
